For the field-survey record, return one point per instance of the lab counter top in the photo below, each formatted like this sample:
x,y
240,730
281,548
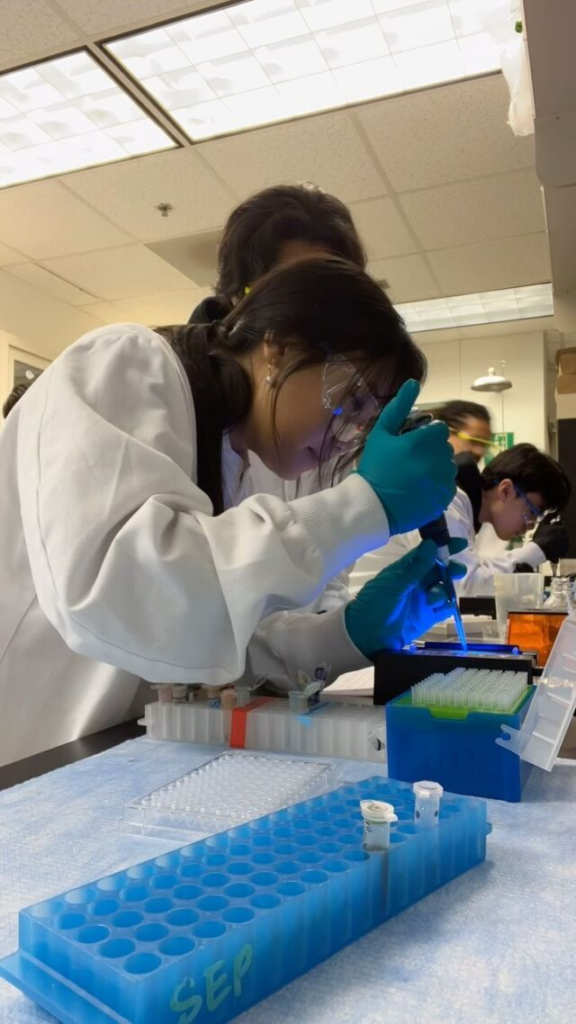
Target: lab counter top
x,y
497,944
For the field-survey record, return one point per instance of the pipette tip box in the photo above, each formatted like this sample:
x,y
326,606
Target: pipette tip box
x,y
456,746
203,933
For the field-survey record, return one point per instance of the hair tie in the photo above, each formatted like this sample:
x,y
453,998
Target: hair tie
x,y
218,333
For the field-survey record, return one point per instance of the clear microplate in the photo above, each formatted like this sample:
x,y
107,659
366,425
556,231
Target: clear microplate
x,y
225,791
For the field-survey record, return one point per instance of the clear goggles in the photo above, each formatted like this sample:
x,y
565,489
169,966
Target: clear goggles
x,y
353,406
533,514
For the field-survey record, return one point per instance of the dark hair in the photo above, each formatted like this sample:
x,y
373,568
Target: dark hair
x,y
454,414
532,471
258,228
15,395
318,308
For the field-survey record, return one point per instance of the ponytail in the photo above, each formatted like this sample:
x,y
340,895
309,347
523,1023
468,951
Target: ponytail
x,y
221,392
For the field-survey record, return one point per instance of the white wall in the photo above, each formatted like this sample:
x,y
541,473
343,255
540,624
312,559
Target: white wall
x,y
454,364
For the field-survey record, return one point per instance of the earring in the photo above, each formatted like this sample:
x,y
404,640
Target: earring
x,y
269,377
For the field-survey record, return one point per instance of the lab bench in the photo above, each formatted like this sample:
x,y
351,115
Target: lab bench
x,y
496,943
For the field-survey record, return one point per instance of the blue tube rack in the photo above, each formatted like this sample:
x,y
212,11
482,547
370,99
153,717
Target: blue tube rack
x,y
203,933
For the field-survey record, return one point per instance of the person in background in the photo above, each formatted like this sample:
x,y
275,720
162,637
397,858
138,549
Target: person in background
x,y
18,391
274,226
470,436
470,428
519,490
136,546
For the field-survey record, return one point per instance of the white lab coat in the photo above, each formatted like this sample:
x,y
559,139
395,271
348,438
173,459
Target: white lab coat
x,y
479,579
113,567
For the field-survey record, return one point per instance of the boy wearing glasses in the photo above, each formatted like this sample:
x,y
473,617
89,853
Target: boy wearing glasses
x,y
522,488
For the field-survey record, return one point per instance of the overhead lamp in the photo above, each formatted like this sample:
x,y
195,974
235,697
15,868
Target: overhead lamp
x,y
478,308
68,113
493,382
263,61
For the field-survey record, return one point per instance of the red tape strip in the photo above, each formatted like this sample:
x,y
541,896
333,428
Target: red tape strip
x,y
239,723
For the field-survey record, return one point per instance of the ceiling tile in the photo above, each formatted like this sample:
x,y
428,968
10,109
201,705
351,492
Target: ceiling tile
x,y
108,15
8,256
382,229
128,194
44,220
409,279
326,150
32,29
196,256
107,312
506,263
126,272
42,321
155,310
495,207
441,135
47,282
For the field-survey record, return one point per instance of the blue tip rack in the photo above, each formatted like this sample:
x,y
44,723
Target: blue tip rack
x,y
203,933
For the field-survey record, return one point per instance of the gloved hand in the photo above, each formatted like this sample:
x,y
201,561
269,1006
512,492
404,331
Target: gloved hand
x,y
402,601
413,474
552,538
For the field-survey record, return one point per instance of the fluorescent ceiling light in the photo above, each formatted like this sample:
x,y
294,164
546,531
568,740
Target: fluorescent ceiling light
x,y
68,113
264,61
481,308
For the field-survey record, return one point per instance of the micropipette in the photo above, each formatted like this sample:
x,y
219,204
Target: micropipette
x,y
437,531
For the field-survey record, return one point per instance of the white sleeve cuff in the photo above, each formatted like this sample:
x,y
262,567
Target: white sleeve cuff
x,y
530,553
344,522
307,643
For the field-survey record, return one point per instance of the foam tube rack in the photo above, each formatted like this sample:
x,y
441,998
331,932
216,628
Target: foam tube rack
x,y
203,933
325,730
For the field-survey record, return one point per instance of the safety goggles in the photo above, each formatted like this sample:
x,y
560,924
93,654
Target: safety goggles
x,y
484,444
353,406
535,514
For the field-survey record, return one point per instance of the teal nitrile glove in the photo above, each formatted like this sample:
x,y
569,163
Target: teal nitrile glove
x,y
402,601
413,474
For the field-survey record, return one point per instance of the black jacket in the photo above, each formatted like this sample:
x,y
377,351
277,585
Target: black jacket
x,y
468,479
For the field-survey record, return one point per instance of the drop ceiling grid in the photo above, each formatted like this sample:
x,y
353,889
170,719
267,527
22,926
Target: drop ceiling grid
x,y
389,159
35,29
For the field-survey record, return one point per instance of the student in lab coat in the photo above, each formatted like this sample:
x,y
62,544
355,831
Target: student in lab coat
x,y
134,548
513,493
470,429
274,226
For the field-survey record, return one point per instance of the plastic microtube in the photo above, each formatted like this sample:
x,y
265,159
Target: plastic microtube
x,y
427,797
377,817
180,693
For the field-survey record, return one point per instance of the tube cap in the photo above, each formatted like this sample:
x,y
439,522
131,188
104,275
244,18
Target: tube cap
x,y
377,812
428,790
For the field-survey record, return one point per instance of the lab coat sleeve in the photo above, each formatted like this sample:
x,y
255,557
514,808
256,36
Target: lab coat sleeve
x,y
310,641
314,642
373,562
480,570
129,564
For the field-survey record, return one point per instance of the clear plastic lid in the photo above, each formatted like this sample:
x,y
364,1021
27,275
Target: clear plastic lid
x,y
552,706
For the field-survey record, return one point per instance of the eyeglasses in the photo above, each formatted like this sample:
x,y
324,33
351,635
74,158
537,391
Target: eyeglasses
x,y
535,514
346,394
